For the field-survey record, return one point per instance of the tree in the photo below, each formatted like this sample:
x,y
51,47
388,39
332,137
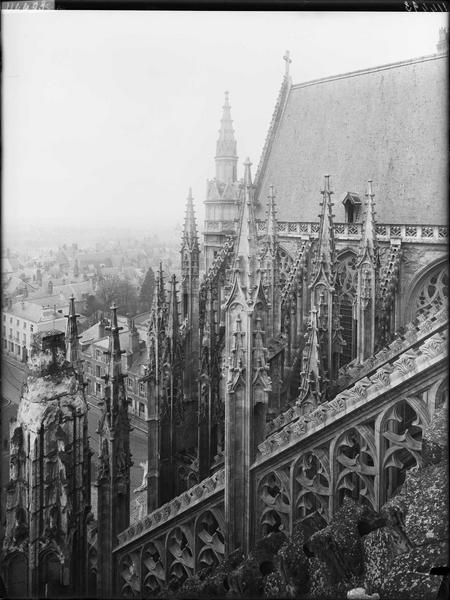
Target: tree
x,y
147,291
114,289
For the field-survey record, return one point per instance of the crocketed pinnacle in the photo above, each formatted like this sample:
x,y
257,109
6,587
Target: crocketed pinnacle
x,y
115,361
161,291
368,245
271,219
246,236
190,236
173,323
325,257
311,373
72,337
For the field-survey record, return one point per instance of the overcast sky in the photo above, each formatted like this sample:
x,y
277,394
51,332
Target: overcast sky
x,y
109,117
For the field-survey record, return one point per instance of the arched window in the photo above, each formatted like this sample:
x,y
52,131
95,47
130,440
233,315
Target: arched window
x,y
347,277
430,292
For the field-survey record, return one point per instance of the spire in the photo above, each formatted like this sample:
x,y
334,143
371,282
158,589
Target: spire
x,y
115,362
271,219
325,256
226,153
310,388
72,337
246,237
190,237
368,246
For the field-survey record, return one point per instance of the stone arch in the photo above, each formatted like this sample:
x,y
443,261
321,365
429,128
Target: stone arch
x,y
51,574
209,539
16,571
180,561
312,488
401,428
356,465
285,261
130,575
428,290
274,499
441,396
153,567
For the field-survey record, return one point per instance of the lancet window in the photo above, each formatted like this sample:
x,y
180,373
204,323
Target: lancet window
x,y
347,276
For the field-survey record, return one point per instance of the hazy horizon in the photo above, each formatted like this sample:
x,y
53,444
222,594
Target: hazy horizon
x,y
110,117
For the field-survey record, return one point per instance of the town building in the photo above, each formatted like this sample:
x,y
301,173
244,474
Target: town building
x,y
94,346
22,320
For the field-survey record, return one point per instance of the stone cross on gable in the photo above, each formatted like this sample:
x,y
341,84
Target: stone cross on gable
x,y
288,60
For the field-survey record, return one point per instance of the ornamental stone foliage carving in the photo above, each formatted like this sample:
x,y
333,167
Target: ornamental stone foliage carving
x,y
357,465
312,480
274,495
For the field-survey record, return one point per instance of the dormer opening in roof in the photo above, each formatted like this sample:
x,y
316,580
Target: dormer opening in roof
x,y
226,152
352,206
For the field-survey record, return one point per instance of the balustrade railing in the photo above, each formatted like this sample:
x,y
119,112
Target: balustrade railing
x,y
385,232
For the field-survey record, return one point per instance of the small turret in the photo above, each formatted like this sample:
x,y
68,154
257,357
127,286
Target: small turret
x,y
311,391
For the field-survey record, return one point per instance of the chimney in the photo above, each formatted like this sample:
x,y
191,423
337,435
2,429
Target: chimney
x,y
442,45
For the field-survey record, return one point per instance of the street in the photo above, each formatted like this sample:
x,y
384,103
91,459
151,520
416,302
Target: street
x,y
12,379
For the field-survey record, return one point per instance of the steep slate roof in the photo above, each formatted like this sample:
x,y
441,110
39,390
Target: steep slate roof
x,y
388,124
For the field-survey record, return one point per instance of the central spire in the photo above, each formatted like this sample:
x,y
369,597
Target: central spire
x,y
226,153
189,236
